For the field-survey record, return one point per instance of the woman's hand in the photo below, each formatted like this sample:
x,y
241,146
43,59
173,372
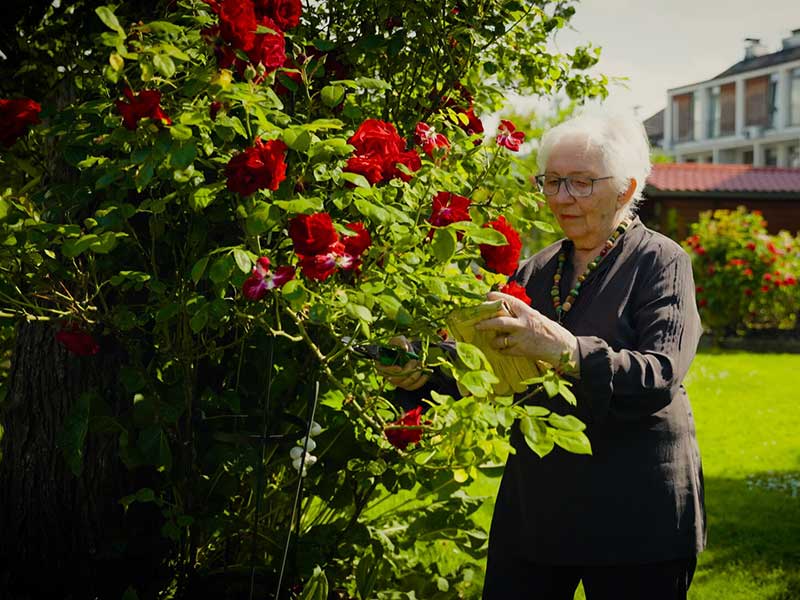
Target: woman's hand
x,y
527,332
408,376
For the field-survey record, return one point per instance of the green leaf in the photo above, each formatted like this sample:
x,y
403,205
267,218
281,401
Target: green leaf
x,y
297,139
481,235
444,245
181,132
316,588
478,383
263,218
394,309
566,393
543,226
356,179
566,422
199,268
199,320
182,155
109,19
164,64
551,387
72,438
359,311
371,83
130,594
535,434
202,197
242,260
221,269
470,355
332,95
366,575
301,205
573,441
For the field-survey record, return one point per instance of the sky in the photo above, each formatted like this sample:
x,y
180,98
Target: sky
x,y
661,44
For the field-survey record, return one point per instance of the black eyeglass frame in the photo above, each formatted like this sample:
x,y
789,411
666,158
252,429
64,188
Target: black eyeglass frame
x,y
540,182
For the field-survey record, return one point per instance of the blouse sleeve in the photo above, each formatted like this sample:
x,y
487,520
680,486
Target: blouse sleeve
x,y
631,383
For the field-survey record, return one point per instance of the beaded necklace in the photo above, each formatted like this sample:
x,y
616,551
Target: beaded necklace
x,y
569,301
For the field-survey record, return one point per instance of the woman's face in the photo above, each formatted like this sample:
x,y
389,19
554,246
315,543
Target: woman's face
x,y
586,221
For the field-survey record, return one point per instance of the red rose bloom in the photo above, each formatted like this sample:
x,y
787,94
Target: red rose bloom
x,y
449,208
379,149
77,341
145,104
262,166
502,259
15,117
312,234
790,280
748,272
237,23
398,434
765,288
508,136
751,245
286,13
213,110
369,167
736,262
261,281
269,49
377,138
702,303
512,288
356,245
700,250
319,266
773,249
426,137
474,124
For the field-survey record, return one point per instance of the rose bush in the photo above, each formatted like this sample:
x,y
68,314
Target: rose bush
x,y
252,207
746,279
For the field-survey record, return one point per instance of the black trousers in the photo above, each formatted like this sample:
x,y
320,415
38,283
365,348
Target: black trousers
x,y
530,581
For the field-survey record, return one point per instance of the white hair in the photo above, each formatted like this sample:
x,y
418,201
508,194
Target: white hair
x,y
621,141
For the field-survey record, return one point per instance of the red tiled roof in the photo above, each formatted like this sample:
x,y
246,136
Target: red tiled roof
x,y
696,177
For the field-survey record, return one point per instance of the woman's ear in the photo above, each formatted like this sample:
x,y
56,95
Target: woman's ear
x,y
624,197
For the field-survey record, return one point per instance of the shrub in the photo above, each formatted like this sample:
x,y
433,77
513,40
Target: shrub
x,y
746,279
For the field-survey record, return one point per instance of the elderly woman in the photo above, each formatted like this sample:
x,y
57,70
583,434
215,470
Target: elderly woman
x,y
628,520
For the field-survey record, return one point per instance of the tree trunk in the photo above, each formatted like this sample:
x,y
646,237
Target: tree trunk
x,y
64,536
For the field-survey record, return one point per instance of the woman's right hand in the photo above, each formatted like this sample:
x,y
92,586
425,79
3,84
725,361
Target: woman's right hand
x,y
409,376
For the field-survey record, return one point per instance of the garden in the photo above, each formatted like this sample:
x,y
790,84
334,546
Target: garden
x,y
208,207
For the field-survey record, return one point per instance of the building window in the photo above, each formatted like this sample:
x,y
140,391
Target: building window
x,y
747,157
794,156
756,101
794,98
722,110
683,117
770,157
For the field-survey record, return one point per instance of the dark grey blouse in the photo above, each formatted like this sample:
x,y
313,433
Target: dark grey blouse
x,y
639,497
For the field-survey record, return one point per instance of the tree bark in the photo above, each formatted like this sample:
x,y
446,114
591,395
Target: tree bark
x,y
65,536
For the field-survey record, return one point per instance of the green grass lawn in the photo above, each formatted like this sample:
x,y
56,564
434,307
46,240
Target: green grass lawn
x,y
747,411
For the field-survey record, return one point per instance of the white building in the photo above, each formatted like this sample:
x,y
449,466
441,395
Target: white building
x,y
748,114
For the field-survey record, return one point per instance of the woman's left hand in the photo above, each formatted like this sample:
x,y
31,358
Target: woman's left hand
x,y
527,332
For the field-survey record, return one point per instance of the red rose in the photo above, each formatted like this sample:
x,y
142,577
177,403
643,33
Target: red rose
x,y
711,269
356,245
213,110
312,234
773,249
409,159
320,266
262,166
400,434
474,125
261,281
748,272
286,13
790,280
146,104
379,149
702,303
736,262
77,341
369,167
748,292
377,138
765,288
700,250
15,117
767,276
426,137
449,208
502,259
269,49
751,245
512,288
508,136
698,289
237,23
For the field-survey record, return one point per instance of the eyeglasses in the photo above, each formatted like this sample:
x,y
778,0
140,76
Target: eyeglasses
x,y
577,187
